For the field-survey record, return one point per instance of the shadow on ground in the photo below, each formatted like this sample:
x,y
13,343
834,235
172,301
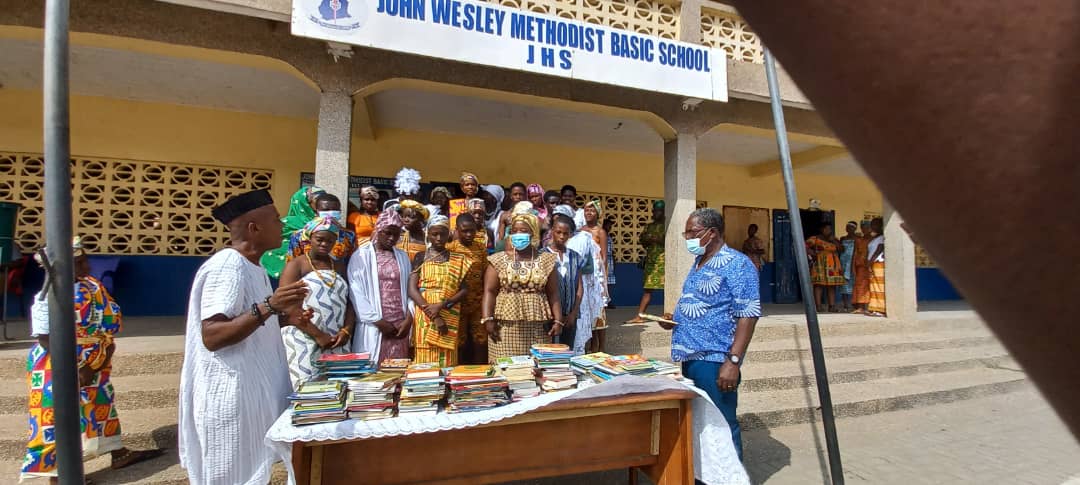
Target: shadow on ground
x,y
763,455
164,438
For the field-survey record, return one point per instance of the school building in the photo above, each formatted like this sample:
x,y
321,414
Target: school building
x,y
178,104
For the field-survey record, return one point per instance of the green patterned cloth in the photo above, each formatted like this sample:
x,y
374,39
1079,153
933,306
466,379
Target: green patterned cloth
x,y
300,212
654,255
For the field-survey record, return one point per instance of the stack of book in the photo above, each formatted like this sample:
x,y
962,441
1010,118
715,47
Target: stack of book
x,y
618,365
662,368
372,396
520,373
345,366
582,364
318,402
421,390
395,365
553,360
475,388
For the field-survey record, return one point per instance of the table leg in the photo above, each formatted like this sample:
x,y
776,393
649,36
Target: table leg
x,y
301,462
675,461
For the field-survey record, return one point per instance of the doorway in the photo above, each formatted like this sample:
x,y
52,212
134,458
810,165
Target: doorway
x,y
785,271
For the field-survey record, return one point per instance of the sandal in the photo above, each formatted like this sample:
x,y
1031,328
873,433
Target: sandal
x,y
637,320
126,457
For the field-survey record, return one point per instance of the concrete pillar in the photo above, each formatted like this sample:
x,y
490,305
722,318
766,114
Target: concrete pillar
x,y
332,144
680,199
900,292
690,21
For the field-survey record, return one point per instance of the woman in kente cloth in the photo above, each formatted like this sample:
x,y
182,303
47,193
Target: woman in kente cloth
x,y
332,318
97,321
414,216
472,335
301,210
826,271
521,293
363,220
379,284
437,286
470,186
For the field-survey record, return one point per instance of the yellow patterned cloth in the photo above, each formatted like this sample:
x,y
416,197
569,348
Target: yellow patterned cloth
x,y
438,282
476,253
411,247
522,308
654,256
877,287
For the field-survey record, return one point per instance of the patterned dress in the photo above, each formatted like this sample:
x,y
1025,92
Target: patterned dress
x,y
438,282
328,295
846,254
97,320
410,246
861,271
471,307
521,308
390,276
654,257
825,270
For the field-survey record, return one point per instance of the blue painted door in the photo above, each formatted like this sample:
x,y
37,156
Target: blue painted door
x,y
785,274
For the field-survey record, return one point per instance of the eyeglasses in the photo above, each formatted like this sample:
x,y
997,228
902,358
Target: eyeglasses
x,y
695,233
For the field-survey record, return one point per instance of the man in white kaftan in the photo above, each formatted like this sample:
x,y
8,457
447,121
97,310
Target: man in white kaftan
x,y
235,378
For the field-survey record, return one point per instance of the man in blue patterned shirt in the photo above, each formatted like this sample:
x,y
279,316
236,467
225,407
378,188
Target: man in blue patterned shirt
x,y
716,314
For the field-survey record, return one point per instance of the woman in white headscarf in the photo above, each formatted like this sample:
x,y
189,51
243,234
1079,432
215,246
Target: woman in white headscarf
x,y
494,211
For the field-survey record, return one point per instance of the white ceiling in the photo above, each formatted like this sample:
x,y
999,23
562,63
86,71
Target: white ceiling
x,y
446,113
839,166
163,79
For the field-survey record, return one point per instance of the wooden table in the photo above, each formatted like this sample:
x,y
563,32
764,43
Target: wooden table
x,y
652,432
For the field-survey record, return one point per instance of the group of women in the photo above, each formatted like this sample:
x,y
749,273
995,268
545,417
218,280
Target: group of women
x,y
854,263
456,280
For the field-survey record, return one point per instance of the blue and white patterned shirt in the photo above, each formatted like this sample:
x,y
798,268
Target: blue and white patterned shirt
x,y
713,298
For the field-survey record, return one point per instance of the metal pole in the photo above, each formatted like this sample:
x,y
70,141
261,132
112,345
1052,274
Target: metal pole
x,y
58,240
798,237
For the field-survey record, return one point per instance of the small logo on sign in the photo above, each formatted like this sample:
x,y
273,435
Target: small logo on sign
x,y
342,15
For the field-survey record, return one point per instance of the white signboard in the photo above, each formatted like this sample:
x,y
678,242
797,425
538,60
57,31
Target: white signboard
x,y
483,33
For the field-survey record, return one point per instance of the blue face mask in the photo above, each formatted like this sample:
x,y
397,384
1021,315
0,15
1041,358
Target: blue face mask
x,y
694,246
334,214
520,240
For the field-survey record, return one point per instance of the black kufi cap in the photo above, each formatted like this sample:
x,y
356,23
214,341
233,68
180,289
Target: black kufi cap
x,y
242,204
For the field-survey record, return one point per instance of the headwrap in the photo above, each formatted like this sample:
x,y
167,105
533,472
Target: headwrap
x,y
247,202
596,205
319,224
407,181
534,225
496,191
416,206
465,176
523,207
440,189
76,250
439,220
474,203
369,190
534,189
658,204
313,190
564,210
389,218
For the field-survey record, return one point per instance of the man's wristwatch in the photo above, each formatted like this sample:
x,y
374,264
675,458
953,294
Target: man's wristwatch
x,y
735,359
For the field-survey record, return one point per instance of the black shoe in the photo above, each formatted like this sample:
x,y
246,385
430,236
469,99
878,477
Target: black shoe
x,y
611,306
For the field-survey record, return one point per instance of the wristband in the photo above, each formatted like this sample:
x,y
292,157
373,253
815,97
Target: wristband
x,y
486,319
255,312
271,307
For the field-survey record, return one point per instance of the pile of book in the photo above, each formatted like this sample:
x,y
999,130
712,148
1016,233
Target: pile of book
x,y
395,365
344,366
421,390
475,388
318,402
618,365
582,364
662,368
520,373
372,396
553,360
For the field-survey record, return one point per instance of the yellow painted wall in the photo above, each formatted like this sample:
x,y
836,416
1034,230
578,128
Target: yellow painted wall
x,y
442,157
113,128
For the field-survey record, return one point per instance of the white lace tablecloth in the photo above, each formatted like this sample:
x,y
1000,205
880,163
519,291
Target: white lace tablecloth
x,y
715,461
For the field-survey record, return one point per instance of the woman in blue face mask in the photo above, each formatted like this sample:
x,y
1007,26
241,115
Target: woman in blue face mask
x,y
521,305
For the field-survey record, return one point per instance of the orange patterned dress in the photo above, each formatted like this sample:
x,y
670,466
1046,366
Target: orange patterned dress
x,y
438,282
